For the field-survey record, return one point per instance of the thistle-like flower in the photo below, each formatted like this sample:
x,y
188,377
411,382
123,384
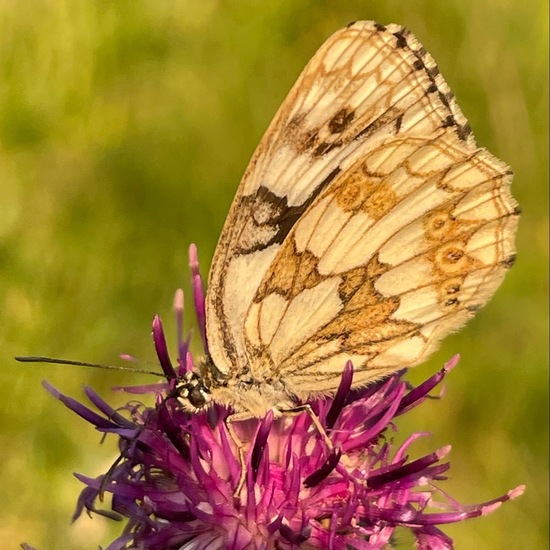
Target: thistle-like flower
x,y
186,481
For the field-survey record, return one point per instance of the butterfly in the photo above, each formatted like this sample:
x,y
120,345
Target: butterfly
x,y
367,226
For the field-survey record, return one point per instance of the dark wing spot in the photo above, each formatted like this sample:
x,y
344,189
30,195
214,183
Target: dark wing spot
x,y
463,131
448,122
432,88
401,37
398,122
330,177
386,118
340,121
433,71
454,255
324,148
284,216
443,99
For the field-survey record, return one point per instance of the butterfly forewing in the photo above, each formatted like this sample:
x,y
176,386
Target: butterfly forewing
x,y
367,226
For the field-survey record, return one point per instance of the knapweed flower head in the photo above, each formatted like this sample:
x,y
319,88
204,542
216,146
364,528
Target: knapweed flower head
x,y
329,476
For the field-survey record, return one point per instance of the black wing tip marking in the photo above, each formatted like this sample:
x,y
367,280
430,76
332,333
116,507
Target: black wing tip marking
x,y
463,131
401,37
424,62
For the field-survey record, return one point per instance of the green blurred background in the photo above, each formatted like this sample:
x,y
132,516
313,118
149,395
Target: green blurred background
x,y
124,129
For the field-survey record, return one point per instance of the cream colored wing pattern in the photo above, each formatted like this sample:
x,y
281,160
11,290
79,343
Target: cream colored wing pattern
x,y
367,226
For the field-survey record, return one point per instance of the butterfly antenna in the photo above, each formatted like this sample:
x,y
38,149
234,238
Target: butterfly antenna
x,y
55,361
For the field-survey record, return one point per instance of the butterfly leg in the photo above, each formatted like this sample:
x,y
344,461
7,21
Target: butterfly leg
x,y
230,420
333,453
314,418
240,447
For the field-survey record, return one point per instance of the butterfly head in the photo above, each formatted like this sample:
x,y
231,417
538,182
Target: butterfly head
x,y
192,392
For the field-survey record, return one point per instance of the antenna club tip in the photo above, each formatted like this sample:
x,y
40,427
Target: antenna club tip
x,y
25,359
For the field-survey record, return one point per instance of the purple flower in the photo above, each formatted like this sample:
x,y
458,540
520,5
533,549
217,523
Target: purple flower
x,y
177,479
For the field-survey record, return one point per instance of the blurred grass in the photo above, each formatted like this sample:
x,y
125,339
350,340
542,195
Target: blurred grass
x,y
124,129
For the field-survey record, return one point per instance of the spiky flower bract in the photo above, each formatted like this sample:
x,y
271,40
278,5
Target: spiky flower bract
x,y
178,480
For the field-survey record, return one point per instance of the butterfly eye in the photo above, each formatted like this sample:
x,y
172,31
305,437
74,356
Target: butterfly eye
x,y
198,397
193,392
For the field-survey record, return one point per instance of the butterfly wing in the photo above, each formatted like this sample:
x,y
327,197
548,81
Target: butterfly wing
x,y
367,226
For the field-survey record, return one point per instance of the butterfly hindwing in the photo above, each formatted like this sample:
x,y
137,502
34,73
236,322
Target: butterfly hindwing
x,y
383,265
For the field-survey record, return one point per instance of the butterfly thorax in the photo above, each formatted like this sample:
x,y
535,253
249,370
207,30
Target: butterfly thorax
x,y
247,396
